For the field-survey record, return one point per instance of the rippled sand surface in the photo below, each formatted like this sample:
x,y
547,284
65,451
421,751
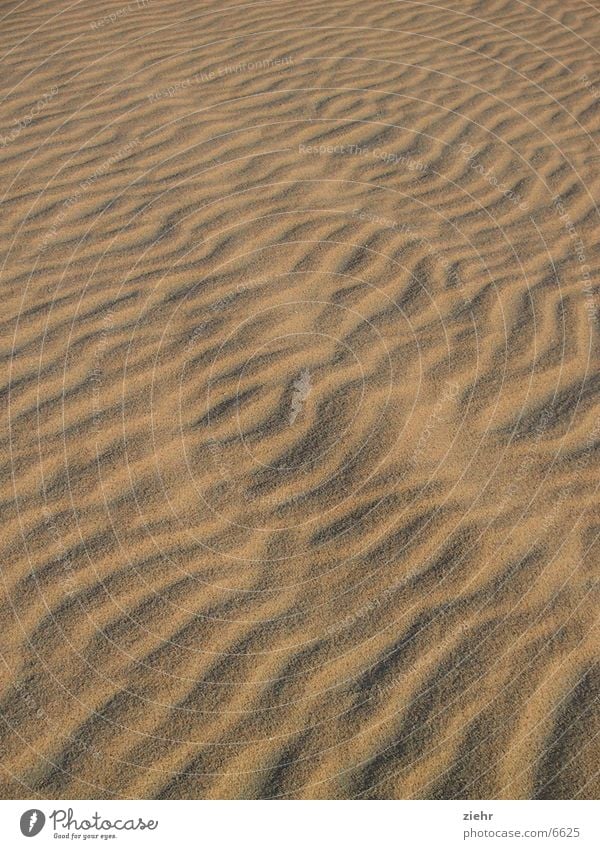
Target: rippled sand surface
x,y
300,399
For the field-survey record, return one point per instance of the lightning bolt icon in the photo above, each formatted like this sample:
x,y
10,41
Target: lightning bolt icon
x,y
32,820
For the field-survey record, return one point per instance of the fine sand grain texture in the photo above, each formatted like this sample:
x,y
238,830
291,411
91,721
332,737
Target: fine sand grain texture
x,y
300,399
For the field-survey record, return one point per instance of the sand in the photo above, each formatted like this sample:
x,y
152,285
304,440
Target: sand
x,y
300,399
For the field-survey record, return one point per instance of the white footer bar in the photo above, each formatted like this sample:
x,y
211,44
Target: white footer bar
x,y
305,824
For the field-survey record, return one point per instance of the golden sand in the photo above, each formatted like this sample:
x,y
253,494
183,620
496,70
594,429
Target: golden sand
x,y
300,399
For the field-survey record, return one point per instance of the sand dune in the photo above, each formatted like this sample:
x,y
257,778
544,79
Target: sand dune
x,y
300,398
